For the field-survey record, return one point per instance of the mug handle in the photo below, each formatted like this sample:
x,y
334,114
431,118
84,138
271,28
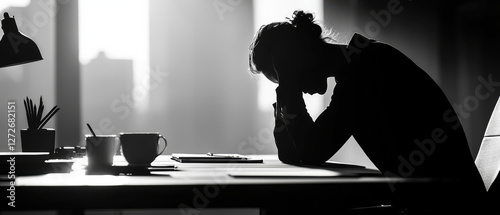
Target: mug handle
x,y
162,137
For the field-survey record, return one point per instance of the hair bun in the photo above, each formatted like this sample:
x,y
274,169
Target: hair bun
x,y
301,19
304,23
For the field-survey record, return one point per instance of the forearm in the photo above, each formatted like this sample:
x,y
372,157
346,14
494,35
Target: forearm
x,y
292,121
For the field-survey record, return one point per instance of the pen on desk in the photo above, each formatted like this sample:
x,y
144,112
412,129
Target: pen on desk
x,y
226,156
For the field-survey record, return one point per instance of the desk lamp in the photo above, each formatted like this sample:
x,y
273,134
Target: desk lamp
x,y
15,47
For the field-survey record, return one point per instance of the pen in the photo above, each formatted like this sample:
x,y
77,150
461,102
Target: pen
x,y
226,156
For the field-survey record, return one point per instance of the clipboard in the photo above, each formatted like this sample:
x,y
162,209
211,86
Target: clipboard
x,y
213,158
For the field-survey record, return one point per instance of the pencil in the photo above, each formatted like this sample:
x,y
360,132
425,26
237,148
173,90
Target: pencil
x,y
48,116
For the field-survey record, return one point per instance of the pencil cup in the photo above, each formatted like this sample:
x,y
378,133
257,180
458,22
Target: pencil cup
x,y
38,140
101,149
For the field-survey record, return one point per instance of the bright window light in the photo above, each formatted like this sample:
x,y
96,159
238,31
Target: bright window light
x,y
4,4
120,30
267,11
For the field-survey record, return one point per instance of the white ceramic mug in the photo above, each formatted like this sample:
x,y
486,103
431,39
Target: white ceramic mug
x,y
101,149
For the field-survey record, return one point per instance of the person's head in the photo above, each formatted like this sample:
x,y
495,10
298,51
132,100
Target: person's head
x,y
299,38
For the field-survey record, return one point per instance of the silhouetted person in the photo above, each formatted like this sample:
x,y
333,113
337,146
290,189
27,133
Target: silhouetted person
x,y
398,115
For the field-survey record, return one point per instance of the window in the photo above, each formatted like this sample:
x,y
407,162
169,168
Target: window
x,y
114,58
177,67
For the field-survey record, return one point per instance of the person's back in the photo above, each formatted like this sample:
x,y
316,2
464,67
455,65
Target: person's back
x,y
406,112
406,125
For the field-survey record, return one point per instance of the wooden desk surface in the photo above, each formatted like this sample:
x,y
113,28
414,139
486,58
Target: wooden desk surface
x,y
194,186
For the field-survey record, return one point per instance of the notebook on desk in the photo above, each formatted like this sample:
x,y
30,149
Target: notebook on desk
x,y
213,158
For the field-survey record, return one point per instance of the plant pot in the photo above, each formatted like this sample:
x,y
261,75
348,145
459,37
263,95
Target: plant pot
x,y
42,140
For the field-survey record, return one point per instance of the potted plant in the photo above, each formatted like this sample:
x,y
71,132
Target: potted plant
x,y
36,138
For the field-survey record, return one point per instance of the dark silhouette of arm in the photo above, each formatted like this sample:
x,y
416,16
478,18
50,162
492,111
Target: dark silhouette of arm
x,y
299,139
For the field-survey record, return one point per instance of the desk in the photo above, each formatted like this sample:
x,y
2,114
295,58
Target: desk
x,y
194,186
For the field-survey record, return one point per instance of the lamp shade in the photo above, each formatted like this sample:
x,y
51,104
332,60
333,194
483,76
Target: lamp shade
x,y
15,47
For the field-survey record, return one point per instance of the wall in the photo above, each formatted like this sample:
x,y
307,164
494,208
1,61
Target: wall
x,y
469,62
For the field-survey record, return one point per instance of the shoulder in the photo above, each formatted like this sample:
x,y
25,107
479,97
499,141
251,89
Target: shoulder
x,y
360,43
368,49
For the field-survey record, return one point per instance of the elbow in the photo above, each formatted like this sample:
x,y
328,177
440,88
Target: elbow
x,y
313,161
297,158
312,158
289,158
